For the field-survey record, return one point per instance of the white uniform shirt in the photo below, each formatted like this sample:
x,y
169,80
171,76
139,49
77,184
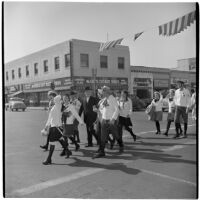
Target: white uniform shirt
x,y
109,110
71,109
158,104
125,108
182,98
171,105
54,119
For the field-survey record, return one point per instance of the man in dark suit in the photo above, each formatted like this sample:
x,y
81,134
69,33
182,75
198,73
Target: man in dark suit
x,y
89,115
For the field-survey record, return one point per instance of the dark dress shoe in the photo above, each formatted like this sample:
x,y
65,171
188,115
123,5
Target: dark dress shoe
x,y
45,147
68,153
63,153
134,138
99,155
98,151
176,136
166,133
121,149
78,141
47,162
77,147
89,145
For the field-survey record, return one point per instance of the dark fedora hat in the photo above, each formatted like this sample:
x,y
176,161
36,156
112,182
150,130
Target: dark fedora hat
x,y
180,81
87,88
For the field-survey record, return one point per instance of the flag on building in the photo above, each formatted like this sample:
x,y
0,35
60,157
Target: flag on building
x,y
137,35
110,44
177,25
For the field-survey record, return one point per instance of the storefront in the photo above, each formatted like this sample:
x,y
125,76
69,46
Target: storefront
x,y
174,81
161,84
142,84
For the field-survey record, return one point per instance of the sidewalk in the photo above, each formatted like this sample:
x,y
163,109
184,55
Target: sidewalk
x,y
36,108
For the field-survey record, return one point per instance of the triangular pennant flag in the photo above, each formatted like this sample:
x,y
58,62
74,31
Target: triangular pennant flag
x,y
137,35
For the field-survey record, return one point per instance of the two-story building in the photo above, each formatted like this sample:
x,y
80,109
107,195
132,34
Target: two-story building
x,y
70,64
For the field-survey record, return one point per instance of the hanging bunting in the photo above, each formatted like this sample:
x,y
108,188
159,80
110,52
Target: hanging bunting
x,y
177,25
137,35
110,44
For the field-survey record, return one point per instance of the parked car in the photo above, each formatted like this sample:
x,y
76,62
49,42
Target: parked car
x,y
15,104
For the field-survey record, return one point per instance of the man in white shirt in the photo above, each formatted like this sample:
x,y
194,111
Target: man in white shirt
x,y
182,101
110,112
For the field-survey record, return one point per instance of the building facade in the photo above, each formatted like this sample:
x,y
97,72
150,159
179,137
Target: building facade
x,y
70,64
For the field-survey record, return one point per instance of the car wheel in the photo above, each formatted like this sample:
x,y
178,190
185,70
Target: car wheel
x,y
23,109
16,109
12,109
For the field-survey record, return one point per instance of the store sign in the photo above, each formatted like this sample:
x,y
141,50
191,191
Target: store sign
x,y
174,80
46,84
142,82
100,81
161,83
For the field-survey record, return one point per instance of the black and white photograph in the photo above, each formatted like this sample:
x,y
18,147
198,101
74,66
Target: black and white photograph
x,y
99,99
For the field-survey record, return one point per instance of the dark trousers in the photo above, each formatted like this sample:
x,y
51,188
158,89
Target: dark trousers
x,y
91,132
106,128
180,111
123,122
157,126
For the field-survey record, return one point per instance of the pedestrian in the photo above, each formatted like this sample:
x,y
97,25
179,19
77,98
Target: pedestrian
x,y
183,102
157,102
51,95
118,95
75,101
89,115
55,130
193,104
68,117
110,112
125,111
171,111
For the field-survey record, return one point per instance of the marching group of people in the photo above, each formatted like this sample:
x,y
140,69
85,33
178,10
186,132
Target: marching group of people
x,y
106,116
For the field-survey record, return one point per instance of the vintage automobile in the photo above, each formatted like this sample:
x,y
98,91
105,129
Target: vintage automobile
x,y
15,104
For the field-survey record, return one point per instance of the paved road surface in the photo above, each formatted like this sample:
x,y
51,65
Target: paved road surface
x,y
152,167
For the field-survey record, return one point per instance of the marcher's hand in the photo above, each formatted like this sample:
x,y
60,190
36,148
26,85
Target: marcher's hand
x,y
46,128
112,121
82,123
187,110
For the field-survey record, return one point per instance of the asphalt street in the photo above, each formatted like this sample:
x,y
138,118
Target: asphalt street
x,y
155,166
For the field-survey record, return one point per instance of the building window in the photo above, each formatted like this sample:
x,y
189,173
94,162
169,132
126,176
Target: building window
x,y
36,68
19,73
67,60
7,76
56,60
120,62
27,70
45,65
13,74
104,61
84,60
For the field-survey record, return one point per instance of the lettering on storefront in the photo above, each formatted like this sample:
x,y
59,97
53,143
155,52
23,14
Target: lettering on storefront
x,y
161,83
142,82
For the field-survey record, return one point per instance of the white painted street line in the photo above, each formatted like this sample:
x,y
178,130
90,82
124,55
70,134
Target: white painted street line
x,y
53,182
168,177
175,147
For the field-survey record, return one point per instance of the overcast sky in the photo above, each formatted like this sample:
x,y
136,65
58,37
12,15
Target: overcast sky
x,y
32,26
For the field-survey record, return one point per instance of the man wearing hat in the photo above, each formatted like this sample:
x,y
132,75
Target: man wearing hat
x,y
89,115
110,112
182,102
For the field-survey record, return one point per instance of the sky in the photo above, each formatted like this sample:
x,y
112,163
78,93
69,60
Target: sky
x,y
32,26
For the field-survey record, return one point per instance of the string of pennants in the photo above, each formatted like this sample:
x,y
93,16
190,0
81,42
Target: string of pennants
x,y
168,29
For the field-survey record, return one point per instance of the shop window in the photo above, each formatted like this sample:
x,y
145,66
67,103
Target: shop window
x,y
19,73
27,70
36,68
84,60
57,64
7,76
46,66
120,62
13,74
67,60
104,61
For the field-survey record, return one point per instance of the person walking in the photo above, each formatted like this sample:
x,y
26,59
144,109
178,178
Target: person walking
x,y
55,130
110,112
193,104
171,111
51,95
89,115
125,111
157,102
183,102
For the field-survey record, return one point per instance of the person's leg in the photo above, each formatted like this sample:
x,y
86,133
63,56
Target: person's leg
x,y
130,130
157,127
89,136
185,119
51,150
46,145
168,127
75,142
177,121
93,133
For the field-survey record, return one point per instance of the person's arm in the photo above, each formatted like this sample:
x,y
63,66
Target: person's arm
x,y
131,107
75,114
48,123
116,112
188,99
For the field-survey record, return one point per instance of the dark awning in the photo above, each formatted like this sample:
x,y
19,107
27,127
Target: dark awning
x,y
16,93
